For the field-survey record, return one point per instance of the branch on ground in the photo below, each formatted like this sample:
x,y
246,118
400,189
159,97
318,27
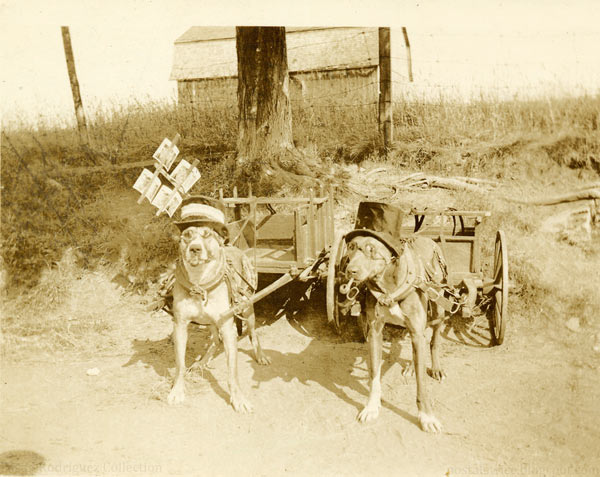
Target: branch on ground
x,y
369,185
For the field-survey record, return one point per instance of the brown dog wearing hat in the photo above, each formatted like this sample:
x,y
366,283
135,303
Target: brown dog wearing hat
x,y
393,271
210,278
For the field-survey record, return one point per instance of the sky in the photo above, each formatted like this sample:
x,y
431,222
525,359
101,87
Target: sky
x,y
124,49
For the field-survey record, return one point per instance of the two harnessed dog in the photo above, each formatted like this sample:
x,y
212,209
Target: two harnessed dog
x,y
404,280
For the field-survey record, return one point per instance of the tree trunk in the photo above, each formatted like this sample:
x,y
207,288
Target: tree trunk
x,y
265,116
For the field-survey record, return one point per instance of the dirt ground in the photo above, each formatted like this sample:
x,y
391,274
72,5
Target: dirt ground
x,y
526,407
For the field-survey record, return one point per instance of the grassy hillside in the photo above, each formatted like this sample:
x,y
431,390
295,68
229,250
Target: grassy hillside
x,y
533,148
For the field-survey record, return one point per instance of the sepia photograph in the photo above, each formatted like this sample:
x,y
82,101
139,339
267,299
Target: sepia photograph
x,y
317,238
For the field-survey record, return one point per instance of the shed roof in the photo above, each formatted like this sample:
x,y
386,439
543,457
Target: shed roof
x,y
202,33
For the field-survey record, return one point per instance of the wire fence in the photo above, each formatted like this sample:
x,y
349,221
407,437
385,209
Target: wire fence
x,y
440,72
498,65
334,108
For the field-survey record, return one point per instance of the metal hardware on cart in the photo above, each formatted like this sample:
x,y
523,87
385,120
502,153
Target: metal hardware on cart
x,y
355,309
345,287
350,303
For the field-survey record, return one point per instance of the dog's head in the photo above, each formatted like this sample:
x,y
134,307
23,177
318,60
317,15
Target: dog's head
x,y
366,257
201,248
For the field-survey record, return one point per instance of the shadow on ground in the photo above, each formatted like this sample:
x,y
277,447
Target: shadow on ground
x,y
21,462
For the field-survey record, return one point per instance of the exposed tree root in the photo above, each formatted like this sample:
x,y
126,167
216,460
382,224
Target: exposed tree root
x,y
390,186
290,168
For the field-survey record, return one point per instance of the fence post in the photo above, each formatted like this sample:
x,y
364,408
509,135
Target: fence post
x,y
385,88
79,113
408,55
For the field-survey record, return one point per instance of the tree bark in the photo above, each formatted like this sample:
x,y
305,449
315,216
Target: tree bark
x,y
265,116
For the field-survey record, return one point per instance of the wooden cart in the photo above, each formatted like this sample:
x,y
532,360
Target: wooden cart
x,y
456,233
290,237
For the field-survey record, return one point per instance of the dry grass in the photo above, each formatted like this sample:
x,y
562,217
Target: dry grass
x,y
59,228
69,309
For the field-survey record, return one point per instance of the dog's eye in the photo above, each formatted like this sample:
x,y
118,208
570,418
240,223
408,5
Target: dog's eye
x,y
187,235
206,232
369,250
351,247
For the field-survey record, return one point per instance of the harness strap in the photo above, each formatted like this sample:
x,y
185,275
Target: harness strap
x,y
237,272
203,289
435,292
407,286
237,294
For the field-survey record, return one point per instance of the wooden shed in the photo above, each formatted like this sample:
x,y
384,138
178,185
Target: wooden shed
x,y
327,65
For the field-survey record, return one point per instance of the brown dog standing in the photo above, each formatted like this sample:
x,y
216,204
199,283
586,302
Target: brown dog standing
x,y
393,298
208,277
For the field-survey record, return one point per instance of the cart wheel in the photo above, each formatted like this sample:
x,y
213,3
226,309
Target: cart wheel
x,y
338,250
500,310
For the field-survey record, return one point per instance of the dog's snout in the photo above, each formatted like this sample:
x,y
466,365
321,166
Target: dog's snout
x,y
198,248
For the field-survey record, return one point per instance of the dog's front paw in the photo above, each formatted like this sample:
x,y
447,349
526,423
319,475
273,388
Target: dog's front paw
x,y
429,423
369,413
437,373
241,404
263,359
177,394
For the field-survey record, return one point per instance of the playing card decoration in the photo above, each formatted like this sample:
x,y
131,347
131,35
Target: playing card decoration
x,y
166,153
165,190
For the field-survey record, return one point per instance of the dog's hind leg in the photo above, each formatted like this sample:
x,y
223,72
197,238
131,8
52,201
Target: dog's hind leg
x,y
239,326
229,336
408,369
436,368
259,354
180,334
215,341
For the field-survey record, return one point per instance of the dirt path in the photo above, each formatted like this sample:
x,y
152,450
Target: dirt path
x,y
526,407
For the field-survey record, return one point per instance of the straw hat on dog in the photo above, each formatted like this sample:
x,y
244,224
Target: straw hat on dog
x,y
203,211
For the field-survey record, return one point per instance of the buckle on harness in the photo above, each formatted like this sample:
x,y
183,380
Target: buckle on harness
x,y
196,290
352,293
432,293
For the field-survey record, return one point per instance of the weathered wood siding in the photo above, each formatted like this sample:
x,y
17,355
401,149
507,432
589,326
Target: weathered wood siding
x,y
357,86
344,87
327,66
208,92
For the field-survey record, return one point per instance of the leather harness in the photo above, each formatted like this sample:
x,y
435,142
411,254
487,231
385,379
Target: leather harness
x,y
201,289
418,276
226,273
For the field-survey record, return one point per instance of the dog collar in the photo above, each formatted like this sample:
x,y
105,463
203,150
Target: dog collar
x,y
202,289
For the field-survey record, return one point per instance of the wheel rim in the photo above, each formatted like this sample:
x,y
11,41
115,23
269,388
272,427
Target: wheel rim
x,y
500,288
337,252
